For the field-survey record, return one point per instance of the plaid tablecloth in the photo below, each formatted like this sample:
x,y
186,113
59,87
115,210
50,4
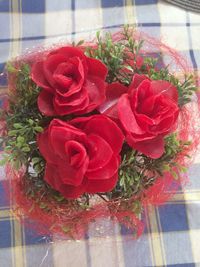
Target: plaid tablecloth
x,y
172,234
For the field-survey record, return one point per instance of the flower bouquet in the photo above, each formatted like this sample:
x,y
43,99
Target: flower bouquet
x,y
97,130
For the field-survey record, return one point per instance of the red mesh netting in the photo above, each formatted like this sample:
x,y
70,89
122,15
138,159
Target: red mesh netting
x,y
63,219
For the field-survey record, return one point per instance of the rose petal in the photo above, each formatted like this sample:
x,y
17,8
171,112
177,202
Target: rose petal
x,y
102,126
75,104
112,113
50,65
137,79
52,177
95,186
73,100
61,154
164,126
126,115
71,175
96,92
45,103
38,77
99,152
72,192
96,68
91,96
153,148
147,106
113,93
144,121
70,77
76,153
63,83
143,92
147,136
45,148
106,172
60,132
166,88
70,51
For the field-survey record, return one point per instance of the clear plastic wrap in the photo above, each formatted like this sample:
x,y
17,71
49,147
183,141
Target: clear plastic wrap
x,y
95,227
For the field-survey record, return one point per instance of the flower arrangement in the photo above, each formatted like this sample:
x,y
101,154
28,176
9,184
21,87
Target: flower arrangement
x,y
97,129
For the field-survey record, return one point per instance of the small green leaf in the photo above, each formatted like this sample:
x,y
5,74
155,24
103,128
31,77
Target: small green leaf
x,y
31,122
36,160
166,167
16,164
129,68
20,139
17,125
98,35
38,168
12,133
59,198
38,129
4,161
183,169
10,68
175,175
80,43
26,149
26,68
43,205
66,229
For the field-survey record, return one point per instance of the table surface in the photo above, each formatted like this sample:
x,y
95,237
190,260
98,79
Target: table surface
x,y
172,231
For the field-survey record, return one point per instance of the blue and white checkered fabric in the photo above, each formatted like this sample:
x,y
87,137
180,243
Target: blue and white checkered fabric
x,y
173,231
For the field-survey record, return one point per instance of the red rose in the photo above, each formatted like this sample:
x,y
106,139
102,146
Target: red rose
x,y
147,111
81,155
70,82
113,92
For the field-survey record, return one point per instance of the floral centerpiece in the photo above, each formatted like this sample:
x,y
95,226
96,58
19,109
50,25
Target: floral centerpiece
x,y
96,130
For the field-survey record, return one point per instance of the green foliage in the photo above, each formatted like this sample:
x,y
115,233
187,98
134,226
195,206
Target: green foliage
x,y
120,58
115,55
81,42
110,53
173,148
137,171
185,89
23,119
